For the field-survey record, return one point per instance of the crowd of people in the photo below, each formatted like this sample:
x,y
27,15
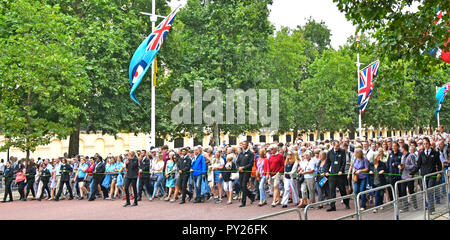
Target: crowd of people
x,y
298,173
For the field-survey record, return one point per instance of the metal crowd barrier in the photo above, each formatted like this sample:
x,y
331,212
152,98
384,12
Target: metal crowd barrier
x,y
419,198
382,210
280,213
437,196
348,217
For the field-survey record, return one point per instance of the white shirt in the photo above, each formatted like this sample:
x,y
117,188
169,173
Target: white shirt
x,y
307,166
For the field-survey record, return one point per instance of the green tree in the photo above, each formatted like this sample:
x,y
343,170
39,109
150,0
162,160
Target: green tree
x,y
42,81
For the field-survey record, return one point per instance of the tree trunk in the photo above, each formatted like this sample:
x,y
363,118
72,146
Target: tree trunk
x,y
216,135
74,142
294,137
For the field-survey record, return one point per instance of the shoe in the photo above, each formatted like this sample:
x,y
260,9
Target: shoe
x,y
151,199
91,199
196,201
362,209
375,211
39,199
24,199
229,202
331,209
126,204
166,199
3,201
242,205
139,199
172,200
70,198
182,202
80,198
56,199
134,204
284,206
347,206
132,197
290,200
273,204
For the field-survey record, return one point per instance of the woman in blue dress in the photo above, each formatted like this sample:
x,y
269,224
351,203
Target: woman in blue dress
x,y
170,174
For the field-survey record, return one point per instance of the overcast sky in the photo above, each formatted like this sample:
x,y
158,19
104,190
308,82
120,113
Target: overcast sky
x,y
290,13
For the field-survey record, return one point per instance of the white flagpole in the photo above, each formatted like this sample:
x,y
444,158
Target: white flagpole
x,y
358,64
438,124
153,19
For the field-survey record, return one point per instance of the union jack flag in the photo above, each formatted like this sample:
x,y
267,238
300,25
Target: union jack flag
x,y
366,84
146,52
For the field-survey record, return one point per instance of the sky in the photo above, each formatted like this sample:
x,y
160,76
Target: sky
x,y
290,13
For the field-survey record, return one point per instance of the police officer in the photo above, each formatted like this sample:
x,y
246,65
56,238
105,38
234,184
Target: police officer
x,y
8,177
184,166
335,169
132,166
65,170
144,174
244,163
99,170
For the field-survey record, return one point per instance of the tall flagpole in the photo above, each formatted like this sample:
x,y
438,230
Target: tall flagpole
x,y
358,64
438,124
153,19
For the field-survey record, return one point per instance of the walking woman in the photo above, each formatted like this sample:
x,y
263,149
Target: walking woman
x,y
321,184
111,170
119,169
290,169
377,169
360,168
8,177
170,175
80,176
90,176
44,174
217,164
229,167
262,170
20,180
30,174
176,177
307,187
157,170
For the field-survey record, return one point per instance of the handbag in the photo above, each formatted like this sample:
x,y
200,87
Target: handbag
x,y
301,179
234,176
205,187
107,181
154,178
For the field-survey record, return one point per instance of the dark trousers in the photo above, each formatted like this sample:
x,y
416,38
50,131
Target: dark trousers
x,y
431,182
8,191
77,188
132,182
337,182
392,182
21,186
144,181
379,195
97,181
244,177
30,187
61,185
184,181
402,193
46,188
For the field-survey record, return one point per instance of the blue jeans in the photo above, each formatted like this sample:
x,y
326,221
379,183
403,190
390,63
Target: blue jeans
x,y
237,187
379,195
198,186
91,187
191,184
262,191
158,184
360,186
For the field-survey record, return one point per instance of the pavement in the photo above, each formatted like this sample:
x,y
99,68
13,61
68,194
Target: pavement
x,y
162,210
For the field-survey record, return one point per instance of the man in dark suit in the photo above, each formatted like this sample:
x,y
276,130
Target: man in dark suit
x,y
427,163
99,170
335,169
184,166
132,166
244,163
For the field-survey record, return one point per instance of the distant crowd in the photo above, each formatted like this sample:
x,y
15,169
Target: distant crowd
x,y
299,173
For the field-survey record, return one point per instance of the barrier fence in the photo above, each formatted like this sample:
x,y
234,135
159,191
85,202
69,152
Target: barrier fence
x,y
412,206
430,202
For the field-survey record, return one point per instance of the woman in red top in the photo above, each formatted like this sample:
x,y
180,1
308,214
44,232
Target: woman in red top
x,y
275,174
